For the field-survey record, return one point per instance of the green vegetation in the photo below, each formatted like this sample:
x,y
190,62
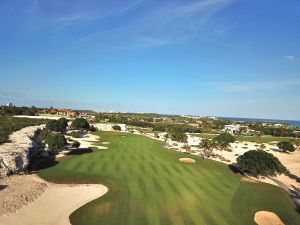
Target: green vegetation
x,y
116,127
286,146
80,124
14,110
76,144
208,146
75,134
55,142
149,186
9,125
263,139
260,163
177,135
273,131
57,125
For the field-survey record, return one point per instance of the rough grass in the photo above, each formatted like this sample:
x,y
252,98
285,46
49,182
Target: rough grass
x,y
9,125
263,139
149,186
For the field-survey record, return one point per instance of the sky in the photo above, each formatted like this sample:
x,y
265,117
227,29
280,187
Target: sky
x,y
235,58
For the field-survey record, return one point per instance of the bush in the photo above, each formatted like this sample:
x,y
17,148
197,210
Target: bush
x,y
260,163
53,125
74,134
286,146
92,128
55,142
225,138
76,144
177,135
80,123
43,134
62,123
116,127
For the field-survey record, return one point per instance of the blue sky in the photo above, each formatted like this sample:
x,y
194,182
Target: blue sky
x,y
207,57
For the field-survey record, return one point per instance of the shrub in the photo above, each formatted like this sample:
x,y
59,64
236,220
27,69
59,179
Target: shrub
x,y
62,123
55,142
92,128
74,134
116,127
43,134
225,138
80,123
76,144
286,146
53,125
260,163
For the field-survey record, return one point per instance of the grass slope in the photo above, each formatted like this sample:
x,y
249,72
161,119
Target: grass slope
x,y
263,139
149,186
9,125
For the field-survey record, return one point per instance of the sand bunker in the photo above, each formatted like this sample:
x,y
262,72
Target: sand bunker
x,y
55,205
249,180
187,160
267,218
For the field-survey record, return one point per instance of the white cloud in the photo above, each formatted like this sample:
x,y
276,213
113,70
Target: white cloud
x,y
291,58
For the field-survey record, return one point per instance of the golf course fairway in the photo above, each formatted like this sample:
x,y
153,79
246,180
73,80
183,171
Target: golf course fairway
x,y
148,185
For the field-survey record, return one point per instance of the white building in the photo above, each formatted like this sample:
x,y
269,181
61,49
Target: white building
x,y
232,129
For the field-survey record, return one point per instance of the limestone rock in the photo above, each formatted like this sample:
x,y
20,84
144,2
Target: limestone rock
x,y
14,156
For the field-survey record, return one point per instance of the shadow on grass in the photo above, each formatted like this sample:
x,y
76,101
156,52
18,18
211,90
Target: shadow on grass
x,y
80,151
43,164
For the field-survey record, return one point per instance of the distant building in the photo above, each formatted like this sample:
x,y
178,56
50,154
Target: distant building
x,y
237,129
232,129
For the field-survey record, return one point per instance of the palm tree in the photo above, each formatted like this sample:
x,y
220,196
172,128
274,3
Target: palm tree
x,y
258,137
187,148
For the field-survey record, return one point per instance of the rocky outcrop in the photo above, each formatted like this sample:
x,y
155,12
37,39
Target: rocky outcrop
x,y
14,156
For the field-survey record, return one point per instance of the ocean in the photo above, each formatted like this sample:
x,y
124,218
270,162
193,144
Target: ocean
x,y
295,123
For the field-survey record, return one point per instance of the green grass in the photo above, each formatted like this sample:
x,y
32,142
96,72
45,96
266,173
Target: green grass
x,y
149,186
9,125
263,139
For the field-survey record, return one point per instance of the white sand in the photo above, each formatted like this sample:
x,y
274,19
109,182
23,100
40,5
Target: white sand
x,y
55,205
187,160
267,218
88,141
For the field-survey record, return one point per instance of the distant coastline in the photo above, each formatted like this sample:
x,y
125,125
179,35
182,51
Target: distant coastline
x,y
295,123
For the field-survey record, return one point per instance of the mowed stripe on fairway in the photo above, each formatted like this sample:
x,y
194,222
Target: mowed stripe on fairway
x,y
148,185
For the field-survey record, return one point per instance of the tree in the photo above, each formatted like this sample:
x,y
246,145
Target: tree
x,y
116,127
177,135
222,142
296,142
187,148
55,142
80,123
225,138
258,137
62,123
262,146
260,163
207,146
53,125
286,146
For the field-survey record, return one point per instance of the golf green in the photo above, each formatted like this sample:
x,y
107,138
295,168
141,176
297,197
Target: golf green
x,y
149,186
